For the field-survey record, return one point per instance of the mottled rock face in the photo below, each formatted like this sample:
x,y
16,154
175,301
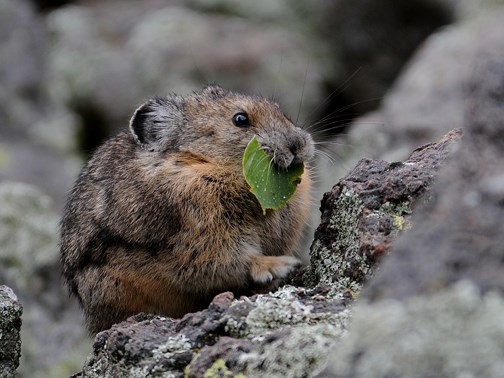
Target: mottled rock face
x,y
367,209
253,336
10,328
70,74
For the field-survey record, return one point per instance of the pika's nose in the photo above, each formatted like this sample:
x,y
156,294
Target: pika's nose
x,y
294,147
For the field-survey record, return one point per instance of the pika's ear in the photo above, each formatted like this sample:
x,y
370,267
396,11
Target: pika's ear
x,y
156,123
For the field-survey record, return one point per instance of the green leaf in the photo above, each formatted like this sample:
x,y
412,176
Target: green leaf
x,y
273,186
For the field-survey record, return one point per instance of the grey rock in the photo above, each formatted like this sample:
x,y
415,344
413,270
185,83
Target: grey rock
x,y
10,326
52,335
466,240
371,45
428,98
434,307
33,133
231,336
22,160
367,209
22,41
455,332
28,235
108,57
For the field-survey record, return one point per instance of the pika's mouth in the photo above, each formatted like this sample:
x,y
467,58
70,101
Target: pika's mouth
x,y
272,185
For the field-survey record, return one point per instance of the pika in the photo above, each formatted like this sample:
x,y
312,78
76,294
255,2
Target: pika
x,y
161,219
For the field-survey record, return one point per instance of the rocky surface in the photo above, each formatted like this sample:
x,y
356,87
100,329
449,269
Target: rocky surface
x,y
438,298
367,209
10,327
372,45
262,335
253,336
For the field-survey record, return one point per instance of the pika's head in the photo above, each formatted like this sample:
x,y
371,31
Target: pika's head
x,y
216,125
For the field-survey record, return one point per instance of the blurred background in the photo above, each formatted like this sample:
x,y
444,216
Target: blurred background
x,y
367,78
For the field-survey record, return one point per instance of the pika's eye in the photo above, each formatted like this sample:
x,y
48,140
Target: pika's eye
x,y
241,120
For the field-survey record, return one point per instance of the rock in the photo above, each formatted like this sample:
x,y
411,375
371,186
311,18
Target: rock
x,y
467,205
429,98
33,133
22,37
10,327
107,57
426,101
52,334
239,336
434,307
367,209
371,46
28,236
455,332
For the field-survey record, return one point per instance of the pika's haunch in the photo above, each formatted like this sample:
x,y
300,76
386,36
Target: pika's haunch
x,y
161,219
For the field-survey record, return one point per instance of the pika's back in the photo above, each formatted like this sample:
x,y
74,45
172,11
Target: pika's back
x,y
161,218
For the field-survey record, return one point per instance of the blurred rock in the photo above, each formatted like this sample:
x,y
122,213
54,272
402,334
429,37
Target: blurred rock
x,y
71,76
428,98
22,66
438,298
10,326
371,41
108,57
28,235
34,135
29,263
455,332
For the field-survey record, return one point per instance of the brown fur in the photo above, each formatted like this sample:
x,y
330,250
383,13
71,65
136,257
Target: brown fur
x,y
161,218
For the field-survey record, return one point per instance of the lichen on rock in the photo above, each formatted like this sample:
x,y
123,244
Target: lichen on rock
x,y
367,210
327,261
10,327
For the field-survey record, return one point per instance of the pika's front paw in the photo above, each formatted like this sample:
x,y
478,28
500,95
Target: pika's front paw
x,y
265,269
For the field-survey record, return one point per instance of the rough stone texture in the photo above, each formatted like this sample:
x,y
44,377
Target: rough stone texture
x,y
121,43
255,336
435,306
10,327
466,239
367,209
